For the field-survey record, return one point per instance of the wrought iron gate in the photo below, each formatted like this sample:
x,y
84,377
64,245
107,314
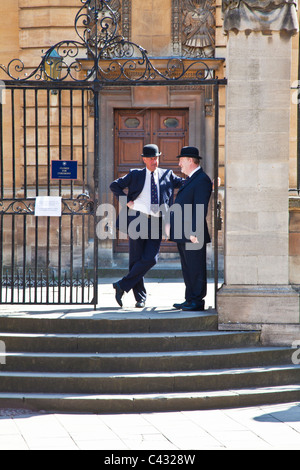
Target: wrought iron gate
x,y
47,259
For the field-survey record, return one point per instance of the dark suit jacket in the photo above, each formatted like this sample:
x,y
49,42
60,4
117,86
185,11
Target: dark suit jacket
x,y
196,190
134,182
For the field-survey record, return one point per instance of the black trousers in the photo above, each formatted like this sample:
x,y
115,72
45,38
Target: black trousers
x,y
193,265
143,255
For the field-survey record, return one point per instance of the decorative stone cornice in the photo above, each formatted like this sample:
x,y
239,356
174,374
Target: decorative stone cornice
x,y
264,16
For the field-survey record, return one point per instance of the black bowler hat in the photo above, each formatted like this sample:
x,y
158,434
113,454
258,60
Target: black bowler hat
x,y
151,150
191,152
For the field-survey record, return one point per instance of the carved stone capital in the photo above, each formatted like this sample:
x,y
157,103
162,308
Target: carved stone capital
x,y
264,16
193,28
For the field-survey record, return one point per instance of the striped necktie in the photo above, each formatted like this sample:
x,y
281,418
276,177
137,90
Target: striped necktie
x,y
154,194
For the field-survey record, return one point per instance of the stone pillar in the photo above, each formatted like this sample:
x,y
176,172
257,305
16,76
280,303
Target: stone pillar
x,y
256,293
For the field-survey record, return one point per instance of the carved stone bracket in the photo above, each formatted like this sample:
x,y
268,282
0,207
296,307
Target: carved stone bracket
x,y
264,16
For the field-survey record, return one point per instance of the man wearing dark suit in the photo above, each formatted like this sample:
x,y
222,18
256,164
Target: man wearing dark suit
x,y
190,230
147,189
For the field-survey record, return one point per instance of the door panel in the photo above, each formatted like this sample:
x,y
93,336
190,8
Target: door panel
x,y
170,131
168,128
130,135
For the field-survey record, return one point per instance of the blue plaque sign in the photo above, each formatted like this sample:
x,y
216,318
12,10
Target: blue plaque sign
x,y
64,170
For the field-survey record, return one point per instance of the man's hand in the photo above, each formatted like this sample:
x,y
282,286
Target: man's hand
x,y
194,239
130,204
167,229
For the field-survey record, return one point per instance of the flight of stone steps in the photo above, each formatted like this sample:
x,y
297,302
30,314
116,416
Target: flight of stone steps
x,y
139,363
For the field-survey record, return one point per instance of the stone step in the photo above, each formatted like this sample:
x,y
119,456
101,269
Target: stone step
x,y
126,342
152,402
168,382
147,361
114,321
116,360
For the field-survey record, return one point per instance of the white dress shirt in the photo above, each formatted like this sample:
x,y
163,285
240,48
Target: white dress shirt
x,y
194,171
143,201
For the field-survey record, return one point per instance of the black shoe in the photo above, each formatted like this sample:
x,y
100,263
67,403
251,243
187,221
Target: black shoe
x,y
194,307
140,304
179,306
119,293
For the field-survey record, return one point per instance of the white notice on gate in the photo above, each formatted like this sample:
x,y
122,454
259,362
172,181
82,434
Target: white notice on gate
x,y
47,206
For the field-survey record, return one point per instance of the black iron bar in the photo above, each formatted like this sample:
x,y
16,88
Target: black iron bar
x,y
12,257
47,260
29,285
59,131
88,290
66,288
53,286
24,256
83,256
59,259
83,137
71,257
216,192
1,257
7,284
36,245
79,85
1,152
13,143
41,285
48,143
71,138
36,143
77,287
60,192
25,142
18,285
48,194
97,89
36,238
25,191
298,125
83,189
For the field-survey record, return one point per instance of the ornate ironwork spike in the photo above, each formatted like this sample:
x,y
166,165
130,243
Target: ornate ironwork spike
x,y
113,58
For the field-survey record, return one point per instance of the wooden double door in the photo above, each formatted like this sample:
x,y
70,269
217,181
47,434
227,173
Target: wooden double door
x,y
134,128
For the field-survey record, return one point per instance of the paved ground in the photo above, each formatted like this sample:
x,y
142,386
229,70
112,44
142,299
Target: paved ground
x,y
161,294
275,427
265,427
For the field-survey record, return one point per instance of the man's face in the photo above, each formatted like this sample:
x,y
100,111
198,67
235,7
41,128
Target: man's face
x,y
151,162
185,164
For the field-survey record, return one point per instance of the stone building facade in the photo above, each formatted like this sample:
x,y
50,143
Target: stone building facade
x,y
255,45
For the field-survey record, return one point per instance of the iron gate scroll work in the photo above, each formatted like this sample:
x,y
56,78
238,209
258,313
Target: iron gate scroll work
x,y
54,259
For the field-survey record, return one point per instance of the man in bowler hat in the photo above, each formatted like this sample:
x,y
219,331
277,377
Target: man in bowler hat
x,y
193,198
147,190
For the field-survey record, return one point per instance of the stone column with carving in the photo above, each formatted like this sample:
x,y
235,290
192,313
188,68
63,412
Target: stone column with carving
x,y
256,293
